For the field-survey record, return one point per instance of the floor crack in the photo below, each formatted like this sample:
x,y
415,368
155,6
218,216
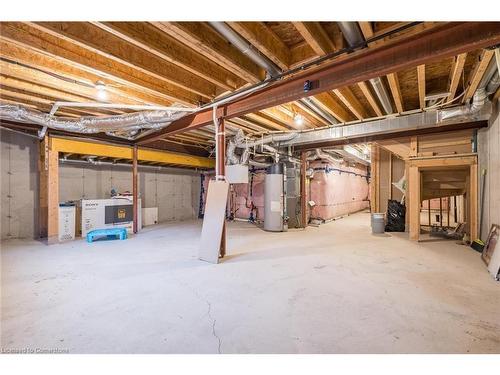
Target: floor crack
x,y
209,312
213,326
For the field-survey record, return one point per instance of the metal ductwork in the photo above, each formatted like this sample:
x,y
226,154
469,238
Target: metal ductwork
x,y
351,154
241,44
239,141
126,123
309,102
487,86
382,94
355,39
416,121
269,66
352,34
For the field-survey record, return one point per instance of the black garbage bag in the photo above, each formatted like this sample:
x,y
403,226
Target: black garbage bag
x,y
396,213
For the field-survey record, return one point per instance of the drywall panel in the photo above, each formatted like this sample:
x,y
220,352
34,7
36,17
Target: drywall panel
x,y
213,221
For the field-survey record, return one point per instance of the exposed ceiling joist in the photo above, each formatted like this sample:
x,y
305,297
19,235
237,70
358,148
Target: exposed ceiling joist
x,y
396,91
264,39
112,47
421,85
316,37
31,39
34,67
328,102
263,119
203,39
366,29
153,40
477,73
351,102
456,74
448,40
371,99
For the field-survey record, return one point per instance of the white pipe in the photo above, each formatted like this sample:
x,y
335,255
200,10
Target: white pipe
x,y
488,85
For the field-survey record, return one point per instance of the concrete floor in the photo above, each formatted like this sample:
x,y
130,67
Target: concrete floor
x,y
332,289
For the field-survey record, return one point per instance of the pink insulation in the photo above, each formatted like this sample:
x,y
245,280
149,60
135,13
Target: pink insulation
x,y
337,190
243,203
435,204
334,193
239,196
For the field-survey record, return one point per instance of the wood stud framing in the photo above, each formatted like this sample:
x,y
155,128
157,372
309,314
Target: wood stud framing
x,y
396,91
421,85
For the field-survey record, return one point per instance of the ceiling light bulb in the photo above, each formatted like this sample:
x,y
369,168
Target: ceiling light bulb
x,y
101,90
102,95
298,120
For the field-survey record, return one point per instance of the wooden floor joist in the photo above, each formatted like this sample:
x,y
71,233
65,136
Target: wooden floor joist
x,y
449,39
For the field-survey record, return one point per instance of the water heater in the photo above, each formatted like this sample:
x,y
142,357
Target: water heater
x,y
275,213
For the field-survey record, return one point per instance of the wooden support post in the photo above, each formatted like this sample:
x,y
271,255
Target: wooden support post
x,y
303,197
441,212
375,178
221,164
413,146
390,175
49,191
448,211
429,211
135,191
455,213
473,202
414,202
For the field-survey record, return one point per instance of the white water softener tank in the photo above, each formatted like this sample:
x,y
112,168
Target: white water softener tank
x,y
275,216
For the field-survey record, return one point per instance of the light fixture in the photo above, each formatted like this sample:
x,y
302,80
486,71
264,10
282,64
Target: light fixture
x,y
101,90
298,119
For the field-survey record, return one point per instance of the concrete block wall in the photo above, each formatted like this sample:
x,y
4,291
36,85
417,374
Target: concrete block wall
x,y
489,159
174,191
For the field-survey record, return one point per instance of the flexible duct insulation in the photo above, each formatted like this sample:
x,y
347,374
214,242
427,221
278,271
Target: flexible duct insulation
x,y
239,141
130,122
319,154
